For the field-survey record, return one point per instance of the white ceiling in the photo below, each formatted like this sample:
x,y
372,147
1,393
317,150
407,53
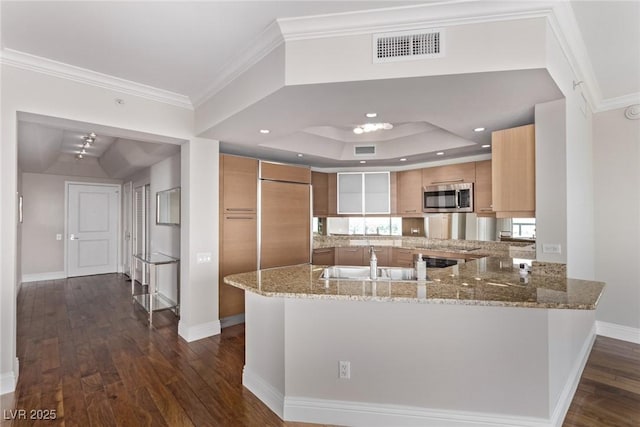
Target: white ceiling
x,y
183,46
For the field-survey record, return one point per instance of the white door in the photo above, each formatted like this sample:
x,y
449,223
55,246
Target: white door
x,y
127,227
92,225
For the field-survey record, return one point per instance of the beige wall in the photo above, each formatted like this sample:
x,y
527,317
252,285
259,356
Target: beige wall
x,y
43,199
616,151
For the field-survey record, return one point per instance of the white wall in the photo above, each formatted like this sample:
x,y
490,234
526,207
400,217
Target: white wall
x,y
44,217
33,92
165,239
616,153
551,180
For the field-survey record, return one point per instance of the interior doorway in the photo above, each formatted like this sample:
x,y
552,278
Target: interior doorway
x,y
93,212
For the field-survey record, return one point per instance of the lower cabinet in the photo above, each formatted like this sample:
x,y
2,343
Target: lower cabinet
x,y
383,255
350,256
324,256
401,257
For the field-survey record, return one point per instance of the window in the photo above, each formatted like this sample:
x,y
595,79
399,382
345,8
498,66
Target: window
x,y
523,228
359,225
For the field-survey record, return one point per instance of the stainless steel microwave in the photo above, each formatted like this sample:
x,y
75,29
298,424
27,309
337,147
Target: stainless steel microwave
x,y
448,198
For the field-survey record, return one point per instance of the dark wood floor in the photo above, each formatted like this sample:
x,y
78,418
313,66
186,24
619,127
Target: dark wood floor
x,y
85,351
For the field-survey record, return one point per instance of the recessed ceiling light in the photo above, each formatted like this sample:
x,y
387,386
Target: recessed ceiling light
x,y
265,131
440,153
404,159
363,161
371,115
478,129
300,155
79,156
486,146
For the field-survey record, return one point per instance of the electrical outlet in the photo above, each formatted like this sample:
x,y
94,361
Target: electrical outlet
x,y
551,248
345,369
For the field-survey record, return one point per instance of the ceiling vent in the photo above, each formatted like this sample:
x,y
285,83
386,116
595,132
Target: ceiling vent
x,y
364,150
407,45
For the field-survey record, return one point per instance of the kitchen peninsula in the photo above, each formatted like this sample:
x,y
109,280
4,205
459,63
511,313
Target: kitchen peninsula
x,y
476,344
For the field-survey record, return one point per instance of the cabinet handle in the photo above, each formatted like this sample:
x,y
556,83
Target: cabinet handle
x,y
239,209
316,251
448,181
409,211
351,250
240,217
486,209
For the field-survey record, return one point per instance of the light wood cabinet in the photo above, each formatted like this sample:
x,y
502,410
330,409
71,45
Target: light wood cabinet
x,y
409,193
482,189
320,185
324,256
238,243
439,226
513,172
287,173
350,256
238,184
449,174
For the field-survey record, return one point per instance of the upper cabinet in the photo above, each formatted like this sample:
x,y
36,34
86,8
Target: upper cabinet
x,y
409,194
324,193
286,173
364,193
513,172
483,189
240,184
449,174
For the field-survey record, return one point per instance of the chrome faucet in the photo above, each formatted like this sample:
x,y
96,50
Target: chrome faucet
x,y
373,264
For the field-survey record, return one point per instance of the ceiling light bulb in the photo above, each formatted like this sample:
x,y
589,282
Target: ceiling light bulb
x,y
83,151
387,126
93,135
300,155
478,129
486,146
79,156
265,131
371,115
358,130
440,153
363,161
403,159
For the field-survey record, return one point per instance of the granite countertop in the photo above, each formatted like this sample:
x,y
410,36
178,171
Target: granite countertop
x,y
490,281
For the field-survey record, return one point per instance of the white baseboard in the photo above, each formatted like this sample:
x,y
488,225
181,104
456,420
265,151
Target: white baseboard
x,y
375,414
8,380
225,322
37,277
570,387
264,391
198,332
619,332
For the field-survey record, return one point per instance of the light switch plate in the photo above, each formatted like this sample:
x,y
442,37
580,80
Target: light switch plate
x,y
58,236
203,257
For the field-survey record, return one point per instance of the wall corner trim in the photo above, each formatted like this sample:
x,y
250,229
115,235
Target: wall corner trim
x,y
268,394
198,332
619,332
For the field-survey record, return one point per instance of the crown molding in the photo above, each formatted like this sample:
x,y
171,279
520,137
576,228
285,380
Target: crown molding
x,y
53,68
618,102
266,42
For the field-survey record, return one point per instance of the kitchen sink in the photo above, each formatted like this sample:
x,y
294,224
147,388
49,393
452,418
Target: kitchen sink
x,y
341,272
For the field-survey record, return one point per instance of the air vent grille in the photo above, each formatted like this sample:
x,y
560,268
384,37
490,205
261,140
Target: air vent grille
x,y
408,45
364,150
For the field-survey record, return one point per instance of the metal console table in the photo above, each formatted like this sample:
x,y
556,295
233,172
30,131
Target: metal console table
x,y
153,300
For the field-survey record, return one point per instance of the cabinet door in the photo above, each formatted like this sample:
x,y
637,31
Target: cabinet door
x,y
410,192
285,224
449,174
350,193
401,257
482,189
320,184
239,184
324,256
513,172
238,254
350,256
377,193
